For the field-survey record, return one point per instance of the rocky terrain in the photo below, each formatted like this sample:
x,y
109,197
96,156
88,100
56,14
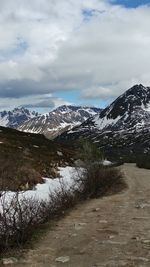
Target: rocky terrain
x,y
59,120
121,128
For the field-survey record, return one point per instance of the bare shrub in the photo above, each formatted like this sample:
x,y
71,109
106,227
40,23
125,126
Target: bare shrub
x,y
27,176
18,218
97,180
61,200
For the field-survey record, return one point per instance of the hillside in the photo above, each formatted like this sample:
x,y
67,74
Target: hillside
x,y
25,158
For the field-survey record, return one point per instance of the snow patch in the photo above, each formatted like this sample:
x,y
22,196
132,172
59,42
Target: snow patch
x,y
42,191
106,163
102,123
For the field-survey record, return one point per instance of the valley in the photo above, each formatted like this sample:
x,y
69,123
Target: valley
x,y
60,169
75,133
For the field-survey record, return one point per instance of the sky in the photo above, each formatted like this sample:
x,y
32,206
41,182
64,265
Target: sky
x,y
83,52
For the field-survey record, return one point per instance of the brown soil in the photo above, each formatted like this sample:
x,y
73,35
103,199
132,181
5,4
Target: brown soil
x,y
112,231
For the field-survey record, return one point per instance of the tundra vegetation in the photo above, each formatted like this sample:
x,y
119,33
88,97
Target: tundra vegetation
x,y
21,217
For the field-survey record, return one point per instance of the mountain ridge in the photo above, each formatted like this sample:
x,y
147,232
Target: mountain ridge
x,y
15,117
123,123
57,121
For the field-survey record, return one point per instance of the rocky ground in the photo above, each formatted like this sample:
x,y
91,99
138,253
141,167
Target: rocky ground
x,y
112,231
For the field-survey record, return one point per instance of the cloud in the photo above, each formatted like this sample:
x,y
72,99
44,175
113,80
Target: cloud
x,y
49,103
42,103
92,46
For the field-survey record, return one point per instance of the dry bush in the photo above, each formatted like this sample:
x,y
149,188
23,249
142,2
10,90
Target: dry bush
x,y
18,219
20,216
27,176
97,180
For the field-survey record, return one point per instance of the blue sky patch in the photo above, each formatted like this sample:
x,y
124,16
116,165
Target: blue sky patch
x,y
131,3
88,12
74,97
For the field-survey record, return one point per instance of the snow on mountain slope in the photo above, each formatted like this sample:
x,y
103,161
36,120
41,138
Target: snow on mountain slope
x,y
128,110
131,109
59,120
123,123
15,117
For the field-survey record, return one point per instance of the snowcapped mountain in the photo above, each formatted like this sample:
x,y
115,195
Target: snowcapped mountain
x,y
59,120
17,116
124,124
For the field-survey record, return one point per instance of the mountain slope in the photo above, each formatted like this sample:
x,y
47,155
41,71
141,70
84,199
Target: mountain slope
x,y
124,125
58,120
26,158
15,117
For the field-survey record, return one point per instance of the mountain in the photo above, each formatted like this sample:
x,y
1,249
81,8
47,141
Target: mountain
x,y
59,120
122,126
17,116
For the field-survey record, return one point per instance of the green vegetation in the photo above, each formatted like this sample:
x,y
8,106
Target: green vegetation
x,y
89,152
97,180
143,161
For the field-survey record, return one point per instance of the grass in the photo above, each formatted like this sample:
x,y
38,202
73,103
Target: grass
x,y
33,152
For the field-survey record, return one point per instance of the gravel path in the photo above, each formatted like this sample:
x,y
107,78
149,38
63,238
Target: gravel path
x,y
112,231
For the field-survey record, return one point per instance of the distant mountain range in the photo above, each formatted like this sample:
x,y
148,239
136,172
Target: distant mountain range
x,y
14,118
50,124
121,127
59,120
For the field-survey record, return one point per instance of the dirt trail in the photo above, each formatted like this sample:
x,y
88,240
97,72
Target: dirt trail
x,y
112,231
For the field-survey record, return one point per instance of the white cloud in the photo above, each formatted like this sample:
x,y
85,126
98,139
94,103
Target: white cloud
x,y
44,103
88,45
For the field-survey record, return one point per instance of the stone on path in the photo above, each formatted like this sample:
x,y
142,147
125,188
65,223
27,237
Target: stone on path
x,y
63,259
9,261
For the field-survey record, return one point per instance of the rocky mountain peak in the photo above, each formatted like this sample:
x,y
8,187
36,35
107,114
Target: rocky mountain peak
x,y
124,125
136,97
16,117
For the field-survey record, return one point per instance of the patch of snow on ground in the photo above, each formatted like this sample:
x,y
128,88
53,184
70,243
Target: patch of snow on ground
x,y
42,191
106,162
